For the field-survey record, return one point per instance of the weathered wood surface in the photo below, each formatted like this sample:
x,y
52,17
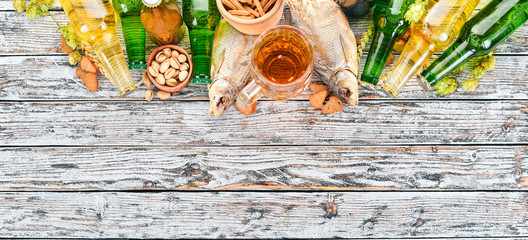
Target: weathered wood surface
x,y
77,164
250,168
41,37
261,214
291,123
52,78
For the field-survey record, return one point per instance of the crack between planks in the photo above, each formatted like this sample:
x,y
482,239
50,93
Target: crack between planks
x,y
462,144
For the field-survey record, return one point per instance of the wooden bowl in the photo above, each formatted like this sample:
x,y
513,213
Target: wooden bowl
x,y
180,85
254,26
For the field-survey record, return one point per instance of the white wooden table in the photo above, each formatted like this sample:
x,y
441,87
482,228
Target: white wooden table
x,y
74,164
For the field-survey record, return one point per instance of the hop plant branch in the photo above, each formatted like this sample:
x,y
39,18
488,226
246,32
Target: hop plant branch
x,y
477,67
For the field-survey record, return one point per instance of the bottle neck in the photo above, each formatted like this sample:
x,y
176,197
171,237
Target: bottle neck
x,y
380,49
414,55
456,55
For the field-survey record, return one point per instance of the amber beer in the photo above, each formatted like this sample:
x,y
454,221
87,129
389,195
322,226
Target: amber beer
x,y
281,65
282,58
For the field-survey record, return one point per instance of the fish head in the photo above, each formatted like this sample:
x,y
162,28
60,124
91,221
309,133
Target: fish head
x,y
222,94
346,87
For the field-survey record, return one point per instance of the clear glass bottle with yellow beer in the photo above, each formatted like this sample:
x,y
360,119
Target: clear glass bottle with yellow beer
x,y
94,22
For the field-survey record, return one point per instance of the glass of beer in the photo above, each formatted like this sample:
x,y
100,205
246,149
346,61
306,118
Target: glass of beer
x,y
282,61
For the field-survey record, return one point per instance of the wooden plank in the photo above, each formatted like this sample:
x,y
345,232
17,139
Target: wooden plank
x,y
19,35
277,123
250,168
52,78
263,215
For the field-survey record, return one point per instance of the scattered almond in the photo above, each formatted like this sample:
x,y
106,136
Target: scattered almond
x,y
145,79
317,99
79,72
334,104
149,95
65,48
317,87
164,95
87,65
90,81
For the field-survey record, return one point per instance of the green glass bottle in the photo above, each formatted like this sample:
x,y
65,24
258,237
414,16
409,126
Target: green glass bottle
x,y
129,11
389,25
201,17
479,36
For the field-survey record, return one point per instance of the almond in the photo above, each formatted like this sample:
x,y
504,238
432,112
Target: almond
x,y
164,66
153,71
183,75
79,72
149,95
65,48
90,81
317,87
317,99
182,58
164,95
174,63
160,79
145,79
334,104
87,65
174,54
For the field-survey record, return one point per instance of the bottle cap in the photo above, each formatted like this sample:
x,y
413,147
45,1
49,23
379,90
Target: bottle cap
x,y
152,3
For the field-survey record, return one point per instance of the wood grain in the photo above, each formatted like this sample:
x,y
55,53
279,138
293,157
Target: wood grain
x,y
43,38
263,215
250,168
52,78
294,122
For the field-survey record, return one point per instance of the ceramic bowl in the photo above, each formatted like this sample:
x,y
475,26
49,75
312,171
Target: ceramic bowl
x,y
180,85
254,26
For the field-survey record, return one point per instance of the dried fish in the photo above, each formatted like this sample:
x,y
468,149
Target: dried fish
x,y
231,64
334,42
